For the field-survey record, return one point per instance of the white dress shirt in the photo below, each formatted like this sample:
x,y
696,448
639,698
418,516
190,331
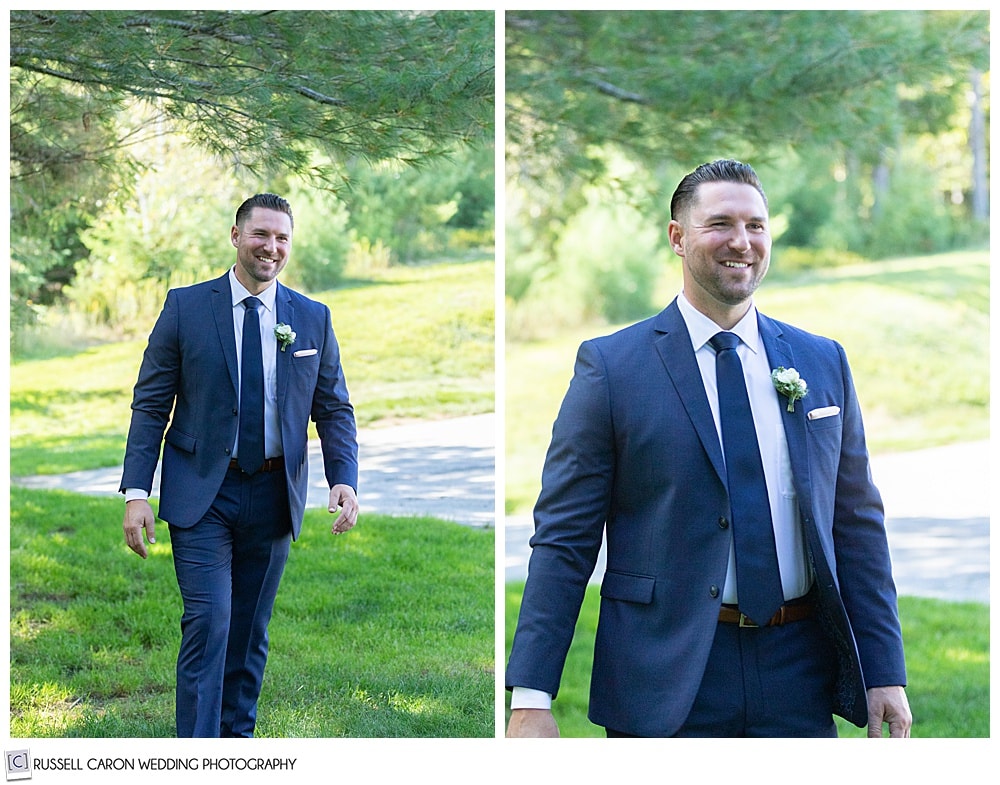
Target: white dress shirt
x,y
269,348
766,407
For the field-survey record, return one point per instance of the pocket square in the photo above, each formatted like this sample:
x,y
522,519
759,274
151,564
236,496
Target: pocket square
x,y
826,411
305,353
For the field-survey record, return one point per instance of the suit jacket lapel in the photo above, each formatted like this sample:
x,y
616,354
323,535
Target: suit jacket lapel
x,y
850,688
779,354
674,347
285,314
222,310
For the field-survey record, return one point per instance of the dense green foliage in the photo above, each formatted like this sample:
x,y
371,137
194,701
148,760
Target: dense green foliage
x,y
259,88
384,631
135,135
174,230
868,129
682,84
947,656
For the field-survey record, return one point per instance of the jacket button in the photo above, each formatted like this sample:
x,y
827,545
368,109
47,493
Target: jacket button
x,y
723,523
713,591
235,411
228,451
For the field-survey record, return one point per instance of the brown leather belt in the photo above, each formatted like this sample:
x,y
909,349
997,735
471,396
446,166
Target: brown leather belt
x,y
270,464
793,611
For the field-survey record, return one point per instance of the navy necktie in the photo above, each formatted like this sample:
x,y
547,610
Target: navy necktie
x,y
251,452
757,577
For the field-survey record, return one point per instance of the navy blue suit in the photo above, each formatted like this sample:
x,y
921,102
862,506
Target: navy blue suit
x,y
230,532
635,449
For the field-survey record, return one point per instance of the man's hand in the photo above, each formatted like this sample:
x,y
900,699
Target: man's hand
x,y
889,704
532,724
139,516
343,496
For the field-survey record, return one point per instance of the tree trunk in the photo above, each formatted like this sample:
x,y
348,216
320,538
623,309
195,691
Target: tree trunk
x,y
977,141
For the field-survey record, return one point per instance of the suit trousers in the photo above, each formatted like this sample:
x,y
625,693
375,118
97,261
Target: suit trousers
x,y
765,682
228,567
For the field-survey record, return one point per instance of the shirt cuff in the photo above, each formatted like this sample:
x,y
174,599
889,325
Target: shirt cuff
x,y
527,698
132,494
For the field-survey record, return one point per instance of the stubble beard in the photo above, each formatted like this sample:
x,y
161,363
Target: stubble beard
x,y
261,272
719,283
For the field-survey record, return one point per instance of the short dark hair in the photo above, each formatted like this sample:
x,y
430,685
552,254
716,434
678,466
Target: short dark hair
x,y
721,171
268,202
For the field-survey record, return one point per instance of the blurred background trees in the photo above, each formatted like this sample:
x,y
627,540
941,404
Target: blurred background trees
x,y
868,129
136,134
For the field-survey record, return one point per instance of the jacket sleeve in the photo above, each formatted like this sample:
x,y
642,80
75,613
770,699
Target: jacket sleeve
x,y
333,413
569,522
153,399
864,566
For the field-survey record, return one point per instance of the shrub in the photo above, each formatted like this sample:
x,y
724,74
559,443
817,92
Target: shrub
x,y
609,260
320,240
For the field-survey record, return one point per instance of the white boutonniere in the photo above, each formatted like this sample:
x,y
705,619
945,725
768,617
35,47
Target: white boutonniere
x,y
285,335
788,382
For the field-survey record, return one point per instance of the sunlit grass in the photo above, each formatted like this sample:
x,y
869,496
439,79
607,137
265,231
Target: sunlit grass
x,y
385,631
947,655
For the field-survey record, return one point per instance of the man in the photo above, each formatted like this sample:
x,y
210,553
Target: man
x,y
242,362
640,450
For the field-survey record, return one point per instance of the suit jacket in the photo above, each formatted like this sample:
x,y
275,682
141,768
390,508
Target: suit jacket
x,y
190,368
635,450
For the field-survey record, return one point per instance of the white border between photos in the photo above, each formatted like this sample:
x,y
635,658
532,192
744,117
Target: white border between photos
x,y
495,759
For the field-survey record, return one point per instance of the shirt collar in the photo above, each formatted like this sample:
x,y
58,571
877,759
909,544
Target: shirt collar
x,y
701,328
240,292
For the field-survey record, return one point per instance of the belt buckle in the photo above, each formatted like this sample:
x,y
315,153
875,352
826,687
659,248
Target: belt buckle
x,y
746,621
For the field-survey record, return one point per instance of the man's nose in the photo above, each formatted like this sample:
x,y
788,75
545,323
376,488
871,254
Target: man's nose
x,y
739,239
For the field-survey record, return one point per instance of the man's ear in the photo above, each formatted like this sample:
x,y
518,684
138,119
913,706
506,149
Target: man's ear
x,y
676,234
234,236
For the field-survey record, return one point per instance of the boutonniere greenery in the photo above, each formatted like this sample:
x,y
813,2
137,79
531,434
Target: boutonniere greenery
x,y
788,382
285,335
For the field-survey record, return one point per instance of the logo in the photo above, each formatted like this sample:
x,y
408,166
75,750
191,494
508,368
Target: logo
x,y
18,765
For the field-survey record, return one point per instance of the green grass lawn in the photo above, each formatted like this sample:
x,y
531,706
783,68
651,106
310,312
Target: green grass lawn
x,y
947,659
416,342
913,330
387,631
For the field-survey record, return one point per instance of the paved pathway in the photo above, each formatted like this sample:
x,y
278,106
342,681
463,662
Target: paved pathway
x,y
441,468
937,519
937,500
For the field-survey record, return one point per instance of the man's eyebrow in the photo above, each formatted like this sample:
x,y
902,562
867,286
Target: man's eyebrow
x,y
728,217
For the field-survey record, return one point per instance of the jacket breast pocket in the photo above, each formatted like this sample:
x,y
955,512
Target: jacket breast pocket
x,y
628,587
824,423
305,370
